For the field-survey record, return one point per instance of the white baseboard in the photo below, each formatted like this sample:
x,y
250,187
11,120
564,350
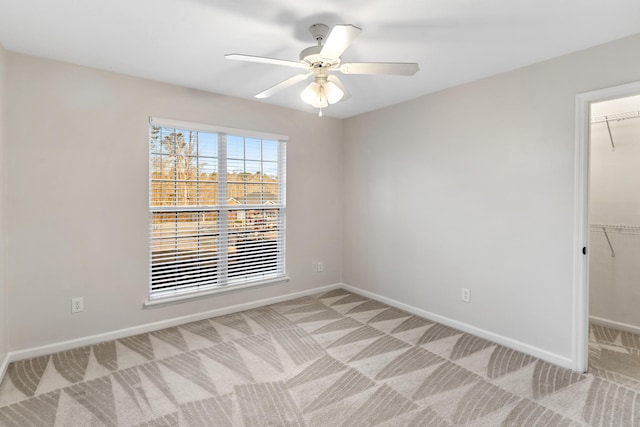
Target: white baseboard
x,y
13,356
615,325
545,355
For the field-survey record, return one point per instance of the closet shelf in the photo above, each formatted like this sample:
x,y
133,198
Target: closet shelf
x,y
616,228
616,117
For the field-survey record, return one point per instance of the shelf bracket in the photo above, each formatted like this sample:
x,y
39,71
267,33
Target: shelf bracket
x,y
613,146
606,235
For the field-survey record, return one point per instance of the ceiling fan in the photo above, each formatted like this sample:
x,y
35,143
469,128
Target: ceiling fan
x,y
320,60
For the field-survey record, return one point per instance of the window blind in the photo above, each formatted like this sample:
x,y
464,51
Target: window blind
x,y
217,207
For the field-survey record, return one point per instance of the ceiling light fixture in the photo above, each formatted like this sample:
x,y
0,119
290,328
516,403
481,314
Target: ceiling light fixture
x,y
321,92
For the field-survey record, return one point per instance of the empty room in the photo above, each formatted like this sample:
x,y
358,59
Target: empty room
x,y
270,213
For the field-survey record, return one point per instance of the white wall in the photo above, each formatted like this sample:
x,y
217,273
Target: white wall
x,y
3,228
614,198
78,196
474,187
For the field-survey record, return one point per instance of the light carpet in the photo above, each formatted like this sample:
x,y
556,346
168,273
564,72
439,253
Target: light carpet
x,y
334,359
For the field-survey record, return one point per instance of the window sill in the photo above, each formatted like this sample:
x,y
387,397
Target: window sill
x,y
162,301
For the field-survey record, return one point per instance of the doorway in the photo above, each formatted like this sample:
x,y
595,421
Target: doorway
x,y
607,232
614,236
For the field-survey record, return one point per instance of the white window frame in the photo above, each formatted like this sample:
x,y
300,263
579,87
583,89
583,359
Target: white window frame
x,y
173,294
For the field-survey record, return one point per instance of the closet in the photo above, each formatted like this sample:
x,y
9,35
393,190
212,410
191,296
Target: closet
x,y
614,256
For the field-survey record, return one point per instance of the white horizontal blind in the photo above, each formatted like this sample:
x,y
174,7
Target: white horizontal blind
x,y
217,209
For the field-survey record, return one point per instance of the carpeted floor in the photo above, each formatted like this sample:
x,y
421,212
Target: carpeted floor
x,y
335,359
615,355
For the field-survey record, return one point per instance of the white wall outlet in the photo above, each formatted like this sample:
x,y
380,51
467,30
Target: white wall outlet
x,y
466,295
77,305
320,266
314,267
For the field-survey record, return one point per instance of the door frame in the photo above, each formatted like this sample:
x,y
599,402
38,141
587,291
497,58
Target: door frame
x,y
581,215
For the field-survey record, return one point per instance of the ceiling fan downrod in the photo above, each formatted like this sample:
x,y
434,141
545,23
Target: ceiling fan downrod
x,y
319,32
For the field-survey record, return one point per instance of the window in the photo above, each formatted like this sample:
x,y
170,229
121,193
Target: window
x,y
216,206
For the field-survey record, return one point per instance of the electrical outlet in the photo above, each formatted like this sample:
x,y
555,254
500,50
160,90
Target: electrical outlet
x,y
77,305
314,267
466,295
320,265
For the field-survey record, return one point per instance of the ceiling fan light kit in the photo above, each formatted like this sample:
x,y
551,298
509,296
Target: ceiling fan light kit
x,y
320,60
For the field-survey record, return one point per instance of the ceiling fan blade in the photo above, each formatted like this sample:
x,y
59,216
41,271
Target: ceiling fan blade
x,y
265,60
336,81
282,85
392,68
339,40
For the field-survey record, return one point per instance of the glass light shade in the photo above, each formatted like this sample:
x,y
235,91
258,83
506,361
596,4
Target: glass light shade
x,y
310,93
320,103
333,92
321,100
320,95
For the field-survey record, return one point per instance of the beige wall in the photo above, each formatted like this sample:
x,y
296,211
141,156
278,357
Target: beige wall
x,y
3,204
78,196
474,187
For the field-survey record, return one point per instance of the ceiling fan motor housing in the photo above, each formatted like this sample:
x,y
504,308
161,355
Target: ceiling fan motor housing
x,y
312,56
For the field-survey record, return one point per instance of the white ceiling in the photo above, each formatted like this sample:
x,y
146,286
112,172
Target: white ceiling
x,y
184,41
